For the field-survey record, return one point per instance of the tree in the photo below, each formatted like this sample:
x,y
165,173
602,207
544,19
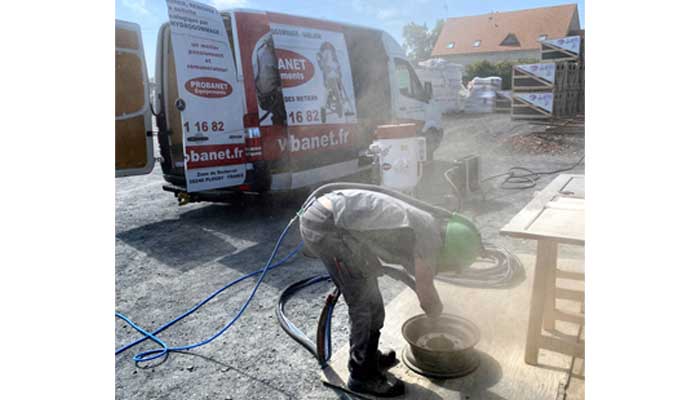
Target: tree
x,y
419,41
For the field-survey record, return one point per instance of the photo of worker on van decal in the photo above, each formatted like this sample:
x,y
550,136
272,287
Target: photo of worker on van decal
x,y
268,86
336,97
315,71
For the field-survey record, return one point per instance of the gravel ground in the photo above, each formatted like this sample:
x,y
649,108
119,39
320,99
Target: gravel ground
x,y
169,257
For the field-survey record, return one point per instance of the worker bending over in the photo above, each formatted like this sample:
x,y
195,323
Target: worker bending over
x,y
351,231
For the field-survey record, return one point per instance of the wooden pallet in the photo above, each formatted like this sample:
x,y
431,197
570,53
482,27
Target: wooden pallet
x,y
565,104
551,51
526,81
501,104
523,110
581,109
572,75
563,126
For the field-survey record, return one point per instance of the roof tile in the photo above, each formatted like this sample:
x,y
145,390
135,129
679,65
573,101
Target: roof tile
x,y
491,29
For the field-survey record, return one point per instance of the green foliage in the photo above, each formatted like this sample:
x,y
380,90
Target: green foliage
x,y
503,69
419,41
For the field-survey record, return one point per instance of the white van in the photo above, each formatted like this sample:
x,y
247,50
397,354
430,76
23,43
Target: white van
x,y
306,96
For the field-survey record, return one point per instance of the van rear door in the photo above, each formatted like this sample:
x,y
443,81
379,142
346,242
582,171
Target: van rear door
x,y
132,126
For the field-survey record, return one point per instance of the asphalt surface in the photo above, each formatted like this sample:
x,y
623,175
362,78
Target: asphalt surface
x,y
170,257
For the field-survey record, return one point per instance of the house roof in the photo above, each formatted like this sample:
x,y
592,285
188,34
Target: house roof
x,y
491,29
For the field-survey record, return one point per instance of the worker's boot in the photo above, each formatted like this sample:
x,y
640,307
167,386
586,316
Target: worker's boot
x,y
369,379
378,385
386,359
366,377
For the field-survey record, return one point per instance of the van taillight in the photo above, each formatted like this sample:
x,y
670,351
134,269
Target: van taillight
x,y
250,120
253,144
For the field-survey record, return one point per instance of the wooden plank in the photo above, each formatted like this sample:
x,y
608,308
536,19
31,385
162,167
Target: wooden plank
x,y
576,276
517,117
566,203
548,318
559,223
569,294
527,215
569,317
502,317
545,263
576,188
564,347
524,225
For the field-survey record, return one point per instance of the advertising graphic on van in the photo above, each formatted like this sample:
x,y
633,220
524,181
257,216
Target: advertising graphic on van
x,y
208,87
211,117
294,68
316,78
214,155
268,86
320,142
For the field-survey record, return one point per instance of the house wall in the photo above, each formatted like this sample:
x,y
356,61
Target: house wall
x,y
467,59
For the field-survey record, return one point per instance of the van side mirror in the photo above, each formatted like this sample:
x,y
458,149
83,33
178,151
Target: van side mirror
x,y
428,90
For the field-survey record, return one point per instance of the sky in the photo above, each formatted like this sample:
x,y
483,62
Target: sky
x,y
389,15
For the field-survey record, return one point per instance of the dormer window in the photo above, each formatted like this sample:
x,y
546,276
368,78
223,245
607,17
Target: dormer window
x,y
451,45
510,40
476,43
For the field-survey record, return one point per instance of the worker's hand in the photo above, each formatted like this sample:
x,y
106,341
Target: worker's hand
x,y
425,289
434,309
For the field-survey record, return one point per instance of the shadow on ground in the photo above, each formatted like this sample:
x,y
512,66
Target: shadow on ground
x,y
237,236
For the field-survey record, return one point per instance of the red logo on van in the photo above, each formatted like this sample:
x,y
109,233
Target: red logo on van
x,y
208,87
294,68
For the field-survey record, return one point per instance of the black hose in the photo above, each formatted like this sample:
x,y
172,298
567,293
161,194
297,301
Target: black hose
x,y
507,271
287,325
322,348
525,178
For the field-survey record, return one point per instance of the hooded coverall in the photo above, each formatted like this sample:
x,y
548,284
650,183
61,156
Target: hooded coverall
x,y
361,228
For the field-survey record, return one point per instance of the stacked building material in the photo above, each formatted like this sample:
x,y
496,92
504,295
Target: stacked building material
x,y
446,79
553,89
480,94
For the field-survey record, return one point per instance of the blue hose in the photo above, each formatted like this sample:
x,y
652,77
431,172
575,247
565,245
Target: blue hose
x,y
165,348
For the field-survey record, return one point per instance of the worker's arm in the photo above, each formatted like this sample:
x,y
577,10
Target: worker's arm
x,y
425,289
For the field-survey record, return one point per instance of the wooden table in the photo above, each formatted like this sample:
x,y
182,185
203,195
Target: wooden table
x,y
554,216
